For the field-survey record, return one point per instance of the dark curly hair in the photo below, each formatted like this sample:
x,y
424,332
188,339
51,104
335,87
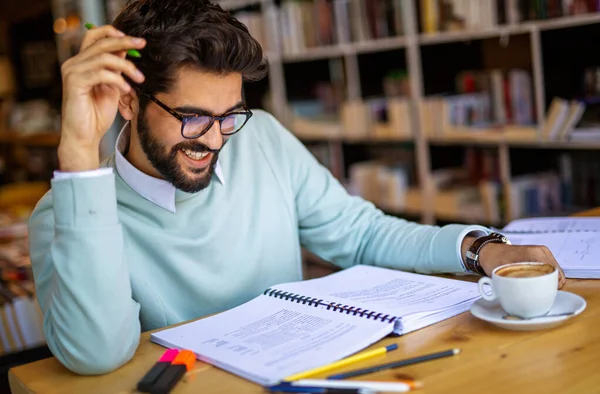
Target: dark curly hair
x,y
194,33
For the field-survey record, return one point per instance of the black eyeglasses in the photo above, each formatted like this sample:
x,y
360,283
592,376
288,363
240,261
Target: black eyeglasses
x,y
194,126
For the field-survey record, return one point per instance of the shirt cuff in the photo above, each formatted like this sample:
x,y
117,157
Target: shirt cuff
x,y
474,231
58,175
85,202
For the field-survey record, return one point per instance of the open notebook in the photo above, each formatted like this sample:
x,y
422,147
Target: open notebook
x,y
574,242
297,326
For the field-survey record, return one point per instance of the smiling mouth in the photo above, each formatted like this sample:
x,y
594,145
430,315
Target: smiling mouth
x,y
195,155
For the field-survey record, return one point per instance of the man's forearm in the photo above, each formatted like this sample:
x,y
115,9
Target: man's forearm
x,y
91,322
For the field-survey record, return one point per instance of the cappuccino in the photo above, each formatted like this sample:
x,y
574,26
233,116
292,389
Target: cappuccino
x,y
526,289
525,270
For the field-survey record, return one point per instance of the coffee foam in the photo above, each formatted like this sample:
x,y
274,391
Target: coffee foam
x,y
525,270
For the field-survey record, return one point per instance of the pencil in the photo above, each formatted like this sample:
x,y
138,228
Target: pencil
x,y
388,387
131,52
396,364
341,363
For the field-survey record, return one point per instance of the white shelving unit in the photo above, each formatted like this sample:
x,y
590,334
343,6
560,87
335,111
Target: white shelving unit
x,y
412,41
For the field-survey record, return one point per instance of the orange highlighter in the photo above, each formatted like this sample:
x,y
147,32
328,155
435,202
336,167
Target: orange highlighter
x,y
183,362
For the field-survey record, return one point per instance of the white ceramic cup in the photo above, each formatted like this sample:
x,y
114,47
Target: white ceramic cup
x,y
524,297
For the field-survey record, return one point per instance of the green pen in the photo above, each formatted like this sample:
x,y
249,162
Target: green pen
x,y
131,52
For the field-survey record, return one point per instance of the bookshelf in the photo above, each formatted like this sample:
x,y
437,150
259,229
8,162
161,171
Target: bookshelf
x,y
503,21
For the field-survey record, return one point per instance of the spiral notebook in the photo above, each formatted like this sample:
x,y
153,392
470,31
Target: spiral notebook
x,y
296,326
574,242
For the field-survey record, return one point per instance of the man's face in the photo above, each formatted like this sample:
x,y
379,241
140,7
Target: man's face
x,y
187,163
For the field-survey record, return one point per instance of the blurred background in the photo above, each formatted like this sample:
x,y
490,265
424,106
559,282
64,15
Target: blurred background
x,y
437,111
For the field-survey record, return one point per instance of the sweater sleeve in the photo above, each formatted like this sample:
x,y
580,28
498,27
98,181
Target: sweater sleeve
x,y
347,230
91,323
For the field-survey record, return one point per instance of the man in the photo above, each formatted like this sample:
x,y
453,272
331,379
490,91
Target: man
x,y
205,203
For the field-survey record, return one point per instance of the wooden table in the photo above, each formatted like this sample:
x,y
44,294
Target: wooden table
x,y
565,359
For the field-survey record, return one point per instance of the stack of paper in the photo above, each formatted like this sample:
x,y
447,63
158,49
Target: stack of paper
x,y
574,242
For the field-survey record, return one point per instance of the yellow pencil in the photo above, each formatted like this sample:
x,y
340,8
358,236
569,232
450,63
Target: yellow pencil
x,y
342,363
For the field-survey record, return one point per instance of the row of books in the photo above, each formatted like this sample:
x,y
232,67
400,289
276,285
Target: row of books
x,y
474,192
518,11
573,185
388,187
305,24
375,118
313,23
461,116
487,100
533,194
472,15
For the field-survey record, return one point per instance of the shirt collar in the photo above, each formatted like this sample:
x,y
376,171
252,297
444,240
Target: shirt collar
x,y
158,191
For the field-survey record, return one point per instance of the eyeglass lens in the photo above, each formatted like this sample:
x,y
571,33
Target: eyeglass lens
x,y
197,125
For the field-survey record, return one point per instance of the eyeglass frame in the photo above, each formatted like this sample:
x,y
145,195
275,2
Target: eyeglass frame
x,y
186,118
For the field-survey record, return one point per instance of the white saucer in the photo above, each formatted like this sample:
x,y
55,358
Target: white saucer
x,y
565,302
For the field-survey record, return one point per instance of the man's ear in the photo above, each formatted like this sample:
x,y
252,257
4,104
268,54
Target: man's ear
x,y
128,105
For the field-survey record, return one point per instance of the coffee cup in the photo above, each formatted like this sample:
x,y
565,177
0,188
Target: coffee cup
x,y
525,289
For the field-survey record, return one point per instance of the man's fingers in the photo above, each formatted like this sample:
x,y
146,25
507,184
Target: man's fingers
x,y
113,63
98,33
112,45
562,280
98,77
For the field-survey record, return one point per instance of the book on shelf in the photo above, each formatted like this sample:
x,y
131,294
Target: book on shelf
x,y
297,326
562,118
574,242
457,15
585,134
255,23
584,178
387,185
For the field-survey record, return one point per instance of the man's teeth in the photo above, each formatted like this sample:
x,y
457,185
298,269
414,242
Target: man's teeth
x,y
194,155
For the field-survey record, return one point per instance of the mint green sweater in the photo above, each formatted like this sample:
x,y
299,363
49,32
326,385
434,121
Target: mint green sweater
x,y
109,263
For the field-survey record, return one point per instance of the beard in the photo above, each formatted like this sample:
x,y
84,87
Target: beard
x,y
164,160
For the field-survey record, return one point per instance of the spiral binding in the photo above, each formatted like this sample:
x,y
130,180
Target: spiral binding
x,y
332,306
310,301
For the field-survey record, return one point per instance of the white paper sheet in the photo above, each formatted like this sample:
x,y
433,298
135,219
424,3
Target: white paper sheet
x,y
387,291
553,224
573,251
268,339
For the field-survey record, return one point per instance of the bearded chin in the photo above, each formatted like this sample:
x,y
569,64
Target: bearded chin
x,y
164,160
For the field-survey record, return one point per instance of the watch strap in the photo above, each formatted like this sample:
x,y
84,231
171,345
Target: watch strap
x,y
472,255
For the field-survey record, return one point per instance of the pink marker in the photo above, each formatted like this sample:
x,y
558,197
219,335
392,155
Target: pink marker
x,y
147,382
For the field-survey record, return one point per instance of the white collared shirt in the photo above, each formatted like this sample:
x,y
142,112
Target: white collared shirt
x,y
158,191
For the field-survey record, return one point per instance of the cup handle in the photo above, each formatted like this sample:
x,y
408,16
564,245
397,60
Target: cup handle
x,y
491,296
